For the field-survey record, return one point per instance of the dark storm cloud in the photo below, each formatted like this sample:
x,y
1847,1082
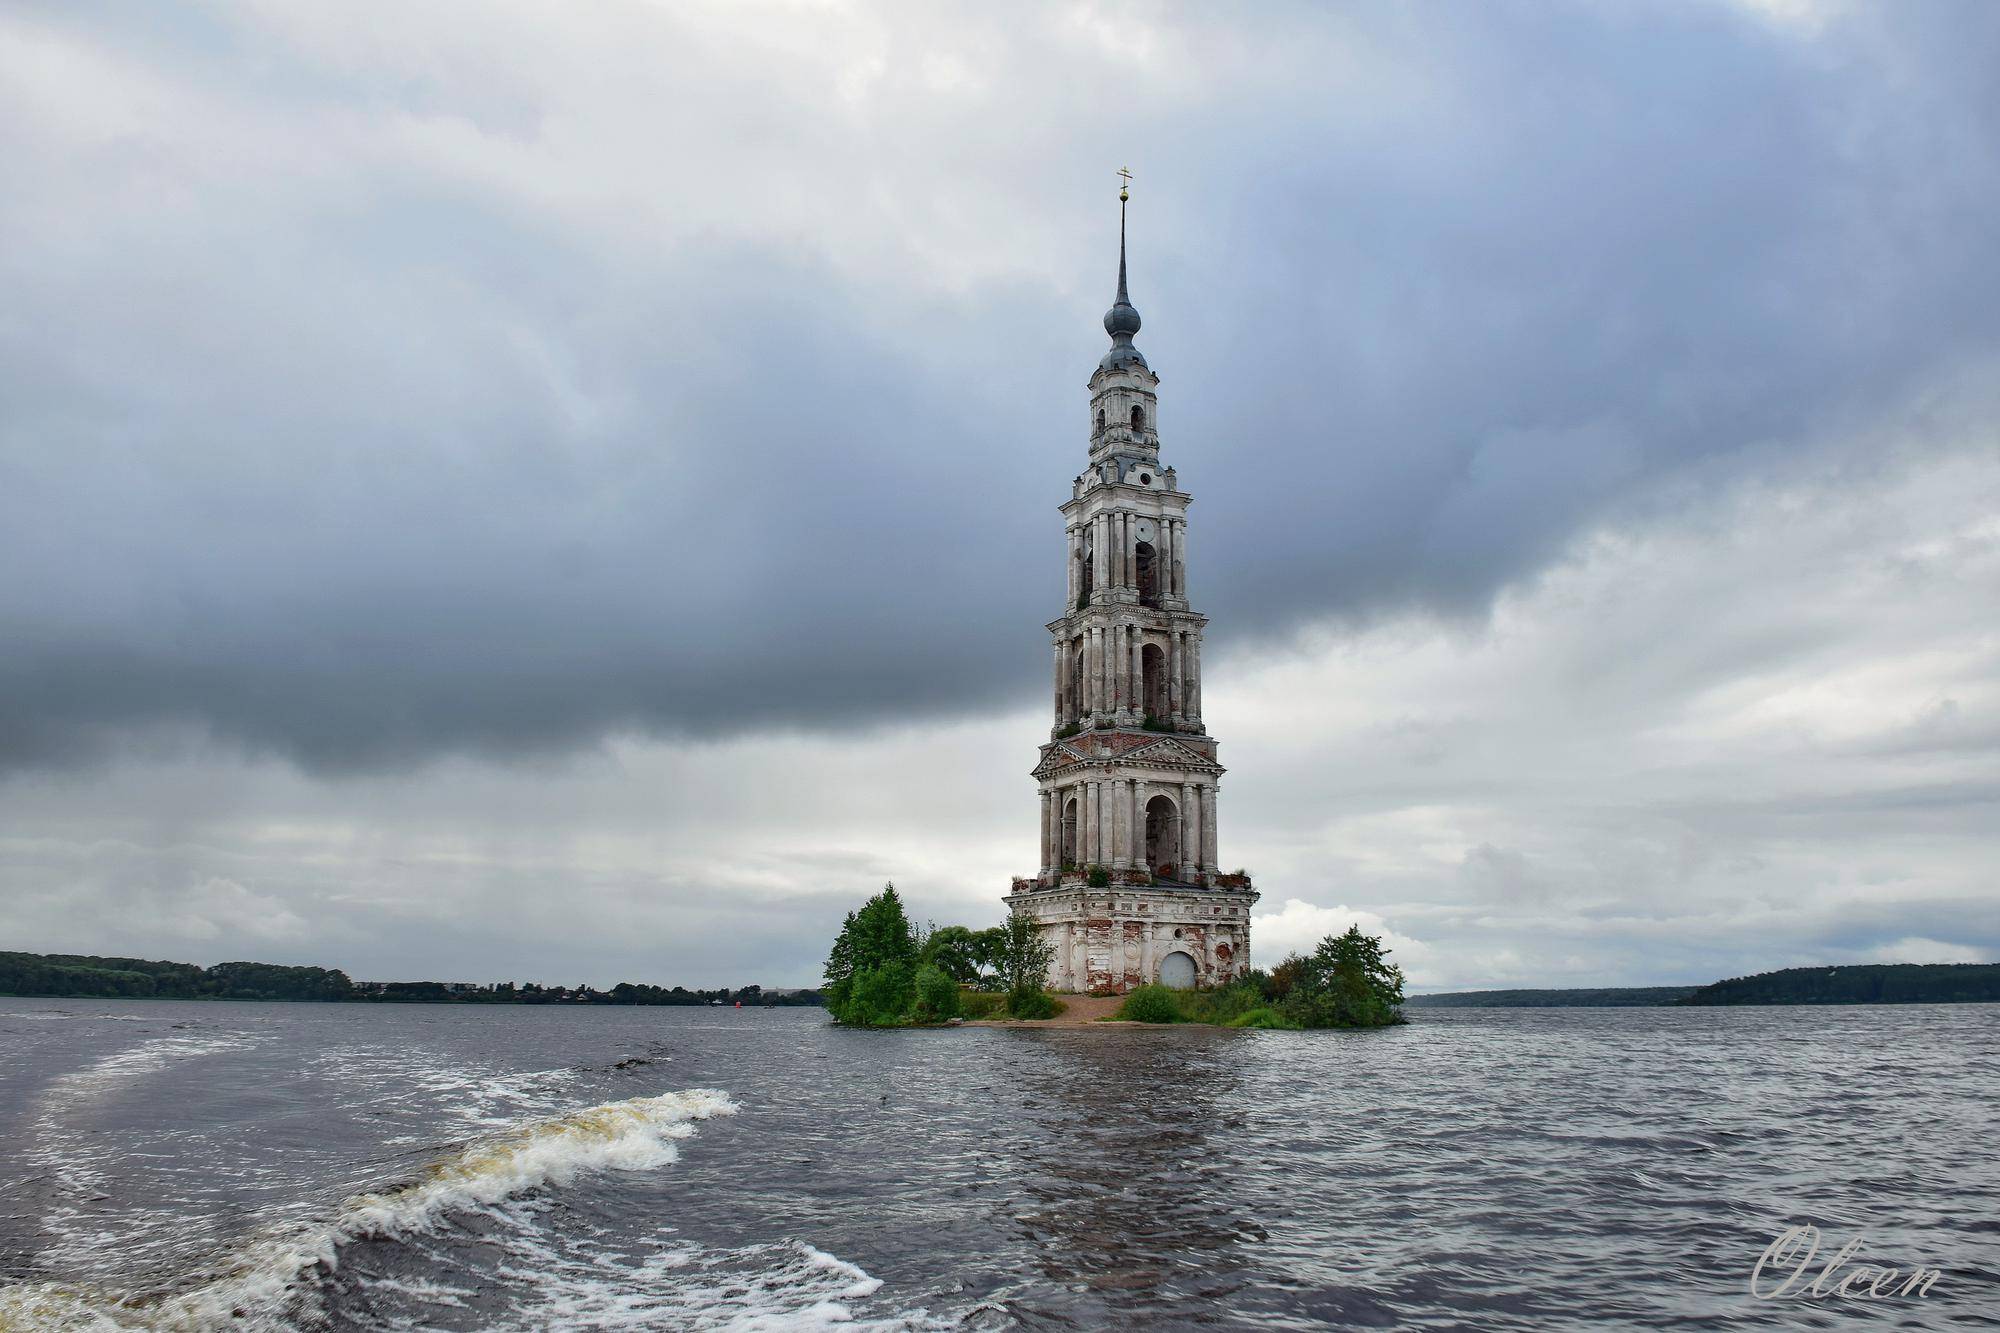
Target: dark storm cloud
x,y
365,463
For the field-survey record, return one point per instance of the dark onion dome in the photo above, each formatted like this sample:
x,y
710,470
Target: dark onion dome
x,y
1121,321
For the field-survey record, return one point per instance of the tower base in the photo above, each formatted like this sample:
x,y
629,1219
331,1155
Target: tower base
x,y
1109,940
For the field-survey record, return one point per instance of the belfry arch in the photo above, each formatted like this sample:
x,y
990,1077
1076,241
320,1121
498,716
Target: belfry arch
x,y
1153,681
1163,837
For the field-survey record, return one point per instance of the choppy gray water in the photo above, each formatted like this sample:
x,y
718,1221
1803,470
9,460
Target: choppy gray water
x,y
397,1167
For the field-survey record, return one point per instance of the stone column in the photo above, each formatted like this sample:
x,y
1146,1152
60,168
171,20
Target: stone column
x,y
1087,801
1188,827
1048,858
1180,553
1119,575
1089,700
1176,689
1194,675
1059,683
1132,552
1100,551
1115,823
1105,667
1208,855
1170,547
1139,857
1104,816
1127,636
1069,571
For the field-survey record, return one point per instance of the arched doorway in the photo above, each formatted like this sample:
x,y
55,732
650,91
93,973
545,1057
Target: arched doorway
x,y
1069,832
1149,573
1163,837
1153,675
1177,971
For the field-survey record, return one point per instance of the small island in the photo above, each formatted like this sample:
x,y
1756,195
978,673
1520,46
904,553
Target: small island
x,y
884,972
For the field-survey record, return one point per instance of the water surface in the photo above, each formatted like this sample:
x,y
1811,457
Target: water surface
x,y
187,1165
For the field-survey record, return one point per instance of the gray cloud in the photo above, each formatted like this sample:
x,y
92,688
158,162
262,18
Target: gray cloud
x,y
375,398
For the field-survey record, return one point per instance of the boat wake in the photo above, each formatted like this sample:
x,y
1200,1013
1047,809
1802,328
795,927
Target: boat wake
x,y
264,1284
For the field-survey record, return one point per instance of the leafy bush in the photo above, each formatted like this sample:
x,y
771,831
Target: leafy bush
x,y
1098,877
1345,983
981,1004
1025,955
1150,1004
880,997
1221,1006
1030,1004
937,996
1263,1017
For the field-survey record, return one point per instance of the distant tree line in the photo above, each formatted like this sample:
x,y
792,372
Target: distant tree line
x,y
1581,997
77,976
1866,983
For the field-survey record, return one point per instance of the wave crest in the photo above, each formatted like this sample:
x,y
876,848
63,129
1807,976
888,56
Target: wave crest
x,y
260,1283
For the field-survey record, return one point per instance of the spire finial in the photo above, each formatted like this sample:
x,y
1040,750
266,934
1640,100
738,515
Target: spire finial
x,y
1122,321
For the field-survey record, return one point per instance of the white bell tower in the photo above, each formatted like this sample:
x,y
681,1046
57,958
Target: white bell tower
x,y
1130,889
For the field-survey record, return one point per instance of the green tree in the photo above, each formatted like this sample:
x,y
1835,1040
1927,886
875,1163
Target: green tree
x,y
871,970
1024,963
1347,982
880,996
937,994
990,948
875,937
953,950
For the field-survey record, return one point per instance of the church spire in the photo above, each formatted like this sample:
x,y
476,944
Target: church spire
x,y
1121,321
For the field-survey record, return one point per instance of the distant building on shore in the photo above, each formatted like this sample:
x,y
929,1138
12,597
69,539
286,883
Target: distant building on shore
x,y
1130,888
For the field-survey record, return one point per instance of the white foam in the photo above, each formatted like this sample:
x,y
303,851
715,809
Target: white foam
x,y
259,1287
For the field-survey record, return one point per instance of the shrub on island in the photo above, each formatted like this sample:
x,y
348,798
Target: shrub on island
x,y
1344,983
883,972
1150,1004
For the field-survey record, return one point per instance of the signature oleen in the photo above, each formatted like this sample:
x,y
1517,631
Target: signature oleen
x,y
1797,1247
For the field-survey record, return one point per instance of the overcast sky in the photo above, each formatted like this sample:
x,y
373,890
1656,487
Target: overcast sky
x,y
568,492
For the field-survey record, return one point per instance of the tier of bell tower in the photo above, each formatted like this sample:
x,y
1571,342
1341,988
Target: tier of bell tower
x,y
1130,886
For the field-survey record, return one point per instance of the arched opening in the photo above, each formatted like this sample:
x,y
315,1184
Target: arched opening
x,y
1163,837
1069,832
1153,678
1138,417
1149,574
1177,971
1086,576
1100,421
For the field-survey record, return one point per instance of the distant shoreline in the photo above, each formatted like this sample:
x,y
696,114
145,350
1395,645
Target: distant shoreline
x,y
1864,983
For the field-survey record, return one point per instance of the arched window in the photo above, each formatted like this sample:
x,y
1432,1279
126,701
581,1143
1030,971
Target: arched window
x,y
1149,574
1153,680
1138,417
1100,421
1163,838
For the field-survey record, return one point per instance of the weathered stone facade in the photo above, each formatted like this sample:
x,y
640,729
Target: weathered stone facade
x,y
1129,777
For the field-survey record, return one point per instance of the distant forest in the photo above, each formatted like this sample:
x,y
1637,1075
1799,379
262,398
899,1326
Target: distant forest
x,y
1867,983
1870,983
1603,997
82,976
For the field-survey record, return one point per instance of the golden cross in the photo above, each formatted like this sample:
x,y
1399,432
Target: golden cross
x,y
1123,193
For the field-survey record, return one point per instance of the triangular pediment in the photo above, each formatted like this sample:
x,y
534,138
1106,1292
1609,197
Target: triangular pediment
x,y
1169,752
1058,757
